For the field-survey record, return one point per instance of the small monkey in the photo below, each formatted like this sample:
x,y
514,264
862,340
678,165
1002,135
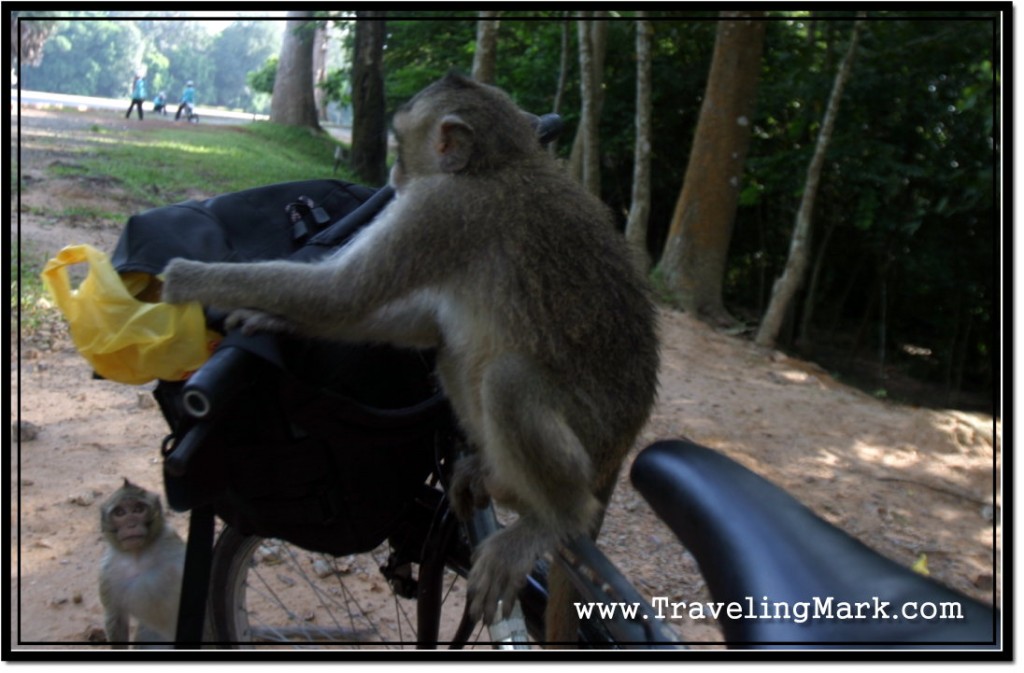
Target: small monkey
x,y
142,568
545,333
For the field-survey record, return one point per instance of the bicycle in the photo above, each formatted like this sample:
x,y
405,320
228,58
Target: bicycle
x,y
740,563
189,112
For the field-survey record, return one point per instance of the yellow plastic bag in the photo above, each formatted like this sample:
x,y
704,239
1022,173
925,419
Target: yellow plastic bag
x,y
124,339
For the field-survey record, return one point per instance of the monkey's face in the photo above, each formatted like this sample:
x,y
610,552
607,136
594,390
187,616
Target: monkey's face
x,y
129,522
411,136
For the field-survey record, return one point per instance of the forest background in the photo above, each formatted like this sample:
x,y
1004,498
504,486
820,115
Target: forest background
x,y
900,289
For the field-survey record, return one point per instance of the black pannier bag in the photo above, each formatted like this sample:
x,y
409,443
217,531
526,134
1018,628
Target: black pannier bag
x,y
247,226
294,457
324,445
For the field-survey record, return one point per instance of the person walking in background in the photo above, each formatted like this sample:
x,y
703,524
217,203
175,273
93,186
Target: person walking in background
x,y
160,103
138,95
188,99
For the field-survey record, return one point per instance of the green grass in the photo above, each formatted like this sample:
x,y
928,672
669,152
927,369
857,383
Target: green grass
x,y
158,165
215,159
33,301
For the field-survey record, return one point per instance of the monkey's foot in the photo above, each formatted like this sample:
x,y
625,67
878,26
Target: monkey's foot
x,y
468,489
500,569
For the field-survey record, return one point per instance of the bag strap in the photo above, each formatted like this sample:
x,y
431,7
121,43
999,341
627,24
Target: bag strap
x,y
306,217
195,582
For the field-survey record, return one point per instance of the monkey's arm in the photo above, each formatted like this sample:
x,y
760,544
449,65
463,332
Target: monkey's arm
x,y
283,288
377,287
410,324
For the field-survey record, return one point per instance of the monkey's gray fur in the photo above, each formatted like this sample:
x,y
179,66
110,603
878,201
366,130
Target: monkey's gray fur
x,y
545,332
141,571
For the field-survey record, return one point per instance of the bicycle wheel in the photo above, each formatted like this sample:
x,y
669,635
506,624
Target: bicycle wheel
x,y
267,592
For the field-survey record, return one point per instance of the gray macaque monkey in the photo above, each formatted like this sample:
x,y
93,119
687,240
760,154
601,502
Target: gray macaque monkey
x,y
142,568
545,333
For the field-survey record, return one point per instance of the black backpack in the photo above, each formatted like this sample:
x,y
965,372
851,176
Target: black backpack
x,y
321,444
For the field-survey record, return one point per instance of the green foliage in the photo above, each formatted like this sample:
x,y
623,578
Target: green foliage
x,y
246,46
88,56
337,86
907,188
94,54
261,80
421,50
27,291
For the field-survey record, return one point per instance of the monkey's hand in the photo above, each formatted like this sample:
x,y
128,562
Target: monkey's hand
x,y
468,490
252,321
184,281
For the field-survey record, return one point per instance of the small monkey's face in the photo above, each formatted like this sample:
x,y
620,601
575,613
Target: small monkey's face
x,y
129,521
131,518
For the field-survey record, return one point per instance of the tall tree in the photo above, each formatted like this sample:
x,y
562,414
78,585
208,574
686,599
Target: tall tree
x,y
28,37
485,56
563,66
369,123
90,58
563,75
293,103
693,264
320,46
640,203
584,162
799,249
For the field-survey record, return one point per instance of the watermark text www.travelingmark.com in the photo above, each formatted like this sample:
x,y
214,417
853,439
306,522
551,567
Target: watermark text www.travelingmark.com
x,y
661,607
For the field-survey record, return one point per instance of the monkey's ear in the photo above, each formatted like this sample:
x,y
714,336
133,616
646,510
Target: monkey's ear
x,y
454,144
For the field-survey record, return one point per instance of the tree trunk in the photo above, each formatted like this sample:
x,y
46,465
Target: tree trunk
x,y
320,42
593,36
485,56
807,315
293,103
693,264
563,75
369,122
792,276
563,69
640,205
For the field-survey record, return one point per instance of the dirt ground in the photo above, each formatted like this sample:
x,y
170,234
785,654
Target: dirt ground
x,y
910,482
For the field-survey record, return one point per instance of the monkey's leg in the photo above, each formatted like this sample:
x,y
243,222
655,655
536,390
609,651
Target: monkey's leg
x,y
468,490
145,639
535,462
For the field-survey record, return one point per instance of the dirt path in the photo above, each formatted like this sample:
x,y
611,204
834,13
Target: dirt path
x,y
907,481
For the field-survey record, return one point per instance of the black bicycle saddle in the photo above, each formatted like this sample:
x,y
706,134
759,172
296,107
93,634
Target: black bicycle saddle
x,y
761,550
